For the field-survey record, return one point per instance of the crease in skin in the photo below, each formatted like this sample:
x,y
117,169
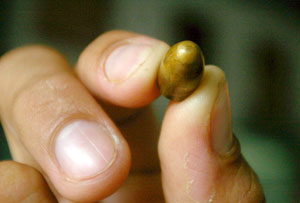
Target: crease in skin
x,y
189,181
190,168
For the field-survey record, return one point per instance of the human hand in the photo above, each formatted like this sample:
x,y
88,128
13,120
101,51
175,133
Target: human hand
x,y
73,151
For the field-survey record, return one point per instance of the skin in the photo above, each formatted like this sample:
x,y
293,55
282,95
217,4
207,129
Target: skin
x,y
36,78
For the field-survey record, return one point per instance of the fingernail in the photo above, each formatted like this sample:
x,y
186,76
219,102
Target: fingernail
x,y
83,149
221,130
127,57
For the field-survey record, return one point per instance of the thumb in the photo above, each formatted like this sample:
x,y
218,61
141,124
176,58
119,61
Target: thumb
x,y
200,159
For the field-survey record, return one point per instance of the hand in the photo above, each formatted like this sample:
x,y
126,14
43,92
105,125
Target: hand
x,y
66,148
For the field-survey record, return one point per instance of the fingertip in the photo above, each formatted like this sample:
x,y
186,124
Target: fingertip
x,y
120,67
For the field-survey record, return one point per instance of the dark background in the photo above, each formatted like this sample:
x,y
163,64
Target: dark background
x,y
256,43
